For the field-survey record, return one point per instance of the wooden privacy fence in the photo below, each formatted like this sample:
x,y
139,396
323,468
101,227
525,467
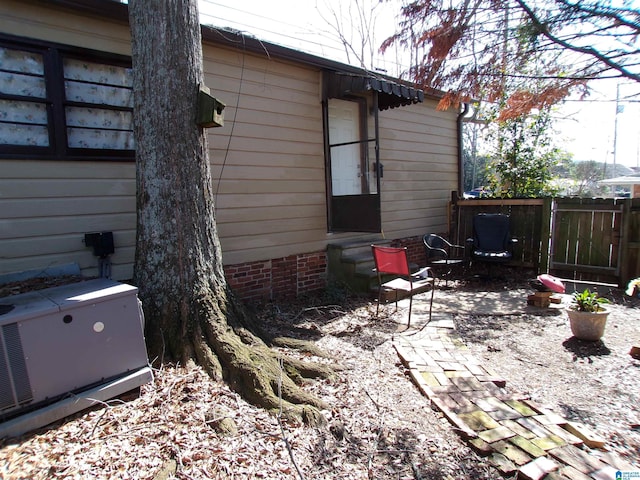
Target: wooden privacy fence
x,y
529,224
579,238
596,239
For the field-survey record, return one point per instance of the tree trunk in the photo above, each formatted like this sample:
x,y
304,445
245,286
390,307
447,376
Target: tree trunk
x,y
189,310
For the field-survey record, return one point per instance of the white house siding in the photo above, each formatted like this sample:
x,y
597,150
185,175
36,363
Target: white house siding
x,y
65,26
418,149
267,164
269,177
47,206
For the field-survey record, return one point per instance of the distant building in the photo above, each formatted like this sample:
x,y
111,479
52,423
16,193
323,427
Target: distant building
x,y
631,181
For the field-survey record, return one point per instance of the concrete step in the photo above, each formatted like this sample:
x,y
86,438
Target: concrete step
x,y
351,262
355,248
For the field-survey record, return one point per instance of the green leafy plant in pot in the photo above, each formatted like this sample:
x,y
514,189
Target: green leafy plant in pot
x,y
588,315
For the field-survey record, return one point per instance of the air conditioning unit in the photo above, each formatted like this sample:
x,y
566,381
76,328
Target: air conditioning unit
x,y
63,348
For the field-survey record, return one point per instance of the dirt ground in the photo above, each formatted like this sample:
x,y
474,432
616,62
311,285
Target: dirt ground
x,y
379,426
594,383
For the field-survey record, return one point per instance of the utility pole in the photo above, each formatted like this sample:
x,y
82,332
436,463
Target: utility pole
x,y
619,109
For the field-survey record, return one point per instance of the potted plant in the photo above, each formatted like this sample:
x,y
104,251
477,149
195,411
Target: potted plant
x,y
588,315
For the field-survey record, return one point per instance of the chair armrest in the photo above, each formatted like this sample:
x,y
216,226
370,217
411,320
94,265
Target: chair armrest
x,y
423,273
436,251
452,245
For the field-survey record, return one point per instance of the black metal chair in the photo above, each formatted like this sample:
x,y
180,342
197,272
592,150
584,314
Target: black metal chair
x,y
492,242
443,256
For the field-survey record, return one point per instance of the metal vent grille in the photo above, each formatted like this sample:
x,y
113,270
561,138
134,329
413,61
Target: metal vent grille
x,y
14,378
6,392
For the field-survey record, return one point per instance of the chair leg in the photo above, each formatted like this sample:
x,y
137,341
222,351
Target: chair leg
x,y
378,305
433,289
410,305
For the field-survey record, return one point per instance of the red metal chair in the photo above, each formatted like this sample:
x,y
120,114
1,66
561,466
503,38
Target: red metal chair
x,y
394,261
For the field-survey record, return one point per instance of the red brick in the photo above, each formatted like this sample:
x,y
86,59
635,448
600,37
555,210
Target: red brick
x,y
513,453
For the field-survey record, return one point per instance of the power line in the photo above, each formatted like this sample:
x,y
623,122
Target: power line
x,y
307,38
257,25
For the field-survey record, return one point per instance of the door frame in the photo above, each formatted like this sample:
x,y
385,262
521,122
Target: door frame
x,y
360,212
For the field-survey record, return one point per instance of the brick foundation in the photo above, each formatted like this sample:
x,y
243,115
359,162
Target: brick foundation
x,y
288,277
278,278
415,249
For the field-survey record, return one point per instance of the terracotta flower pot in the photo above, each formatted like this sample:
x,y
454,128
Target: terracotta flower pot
x,y
588,325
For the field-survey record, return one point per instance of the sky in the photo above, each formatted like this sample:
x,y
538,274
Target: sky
x,y
603,127
593,130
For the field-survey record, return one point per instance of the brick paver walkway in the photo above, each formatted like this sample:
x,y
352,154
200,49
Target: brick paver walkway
x,y
517,435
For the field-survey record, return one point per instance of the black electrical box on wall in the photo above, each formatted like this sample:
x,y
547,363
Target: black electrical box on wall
x,y
102,243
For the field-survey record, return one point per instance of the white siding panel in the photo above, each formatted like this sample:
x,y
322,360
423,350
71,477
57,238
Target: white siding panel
x,y
266,228
64,243
274,145
32,207
267,188
63,26
236,249
418,147
268,154
268,135
48,206
266,159
277,201
69,170
47,225
269,175
72,188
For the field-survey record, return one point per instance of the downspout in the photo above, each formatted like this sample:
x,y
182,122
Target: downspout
x,y
460,121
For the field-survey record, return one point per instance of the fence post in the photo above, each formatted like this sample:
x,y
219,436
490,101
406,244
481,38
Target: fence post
x,y
545,235
625,259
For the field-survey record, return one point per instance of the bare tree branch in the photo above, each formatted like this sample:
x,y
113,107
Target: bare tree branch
x,y
492,50
609,60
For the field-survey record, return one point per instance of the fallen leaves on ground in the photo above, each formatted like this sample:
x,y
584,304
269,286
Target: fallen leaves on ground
x,y
379,425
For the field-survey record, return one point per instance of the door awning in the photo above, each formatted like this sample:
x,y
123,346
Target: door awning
x,y
390,94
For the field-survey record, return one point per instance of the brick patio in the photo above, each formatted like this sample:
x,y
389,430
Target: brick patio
x,y
517,436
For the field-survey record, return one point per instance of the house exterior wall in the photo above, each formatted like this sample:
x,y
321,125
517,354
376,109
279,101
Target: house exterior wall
x,y
418,149
267,160
267,171
46,206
